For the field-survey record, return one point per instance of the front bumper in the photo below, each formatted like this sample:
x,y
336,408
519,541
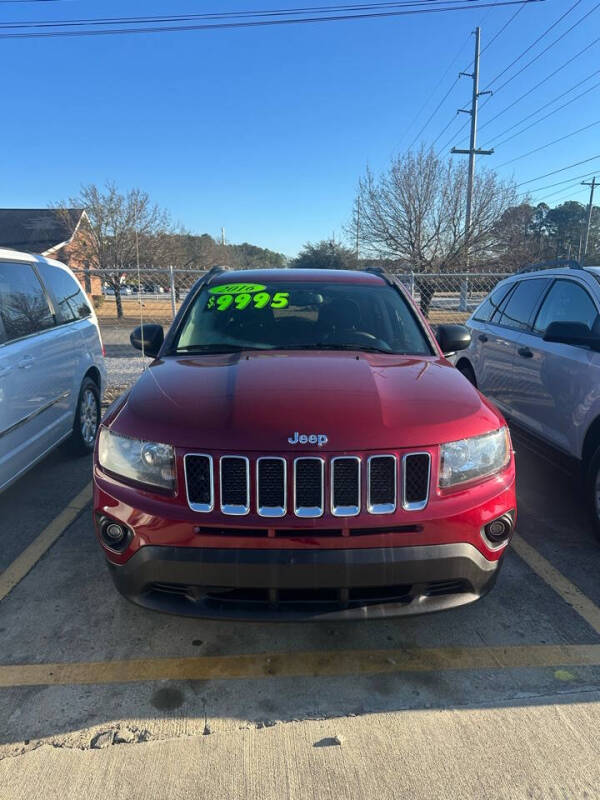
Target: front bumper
x,y
288,584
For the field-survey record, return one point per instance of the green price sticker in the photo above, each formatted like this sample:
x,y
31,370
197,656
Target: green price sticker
x,y
237,288
243,300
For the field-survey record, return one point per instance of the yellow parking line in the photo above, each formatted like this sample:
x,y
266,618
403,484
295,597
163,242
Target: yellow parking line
x,y
296,664
582,604
32,554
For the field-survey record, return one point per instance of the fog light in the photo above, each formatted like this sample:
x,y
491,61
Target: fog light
x,y
115,536
115,533
499,530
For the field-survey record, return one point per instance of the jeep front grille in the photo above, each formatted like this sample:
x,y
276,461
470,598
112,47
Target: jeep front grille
x,y
308,486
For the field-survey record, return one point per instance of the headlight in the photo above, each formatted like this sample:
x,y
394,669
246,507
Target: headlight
x,y
144,462
477,457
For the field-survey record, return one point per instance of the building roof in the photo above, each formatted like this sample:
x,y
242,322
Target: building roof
x,y
37,230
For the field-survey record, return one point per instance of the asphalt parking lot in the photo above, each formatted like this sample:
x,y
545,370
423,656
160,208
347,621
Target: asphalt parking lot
x,y
99,698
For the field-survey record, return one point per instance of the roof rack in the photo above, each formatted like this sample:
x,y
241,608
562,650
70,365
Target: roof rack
x,y
556,263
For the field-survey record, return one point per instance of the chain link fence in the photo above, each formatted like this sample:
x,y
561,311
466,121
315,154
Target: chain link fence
x,y
158,293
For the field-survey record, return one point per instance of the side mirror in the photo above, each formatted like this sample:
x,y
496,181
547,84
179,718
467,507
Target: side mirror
x,y
452,338
148,338
576,333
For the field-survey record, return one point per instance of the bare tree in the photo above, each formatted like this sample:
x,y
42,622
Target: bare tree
x,y
414,213
117,226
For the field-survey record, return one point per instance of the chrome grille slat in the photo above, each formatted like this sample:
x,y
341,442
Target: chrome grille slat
x,y
309,486
345,486
382,480
199,481
416,474
271,486
234,480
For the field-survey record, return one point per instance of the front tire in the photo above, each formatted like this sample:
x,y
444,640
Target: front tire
x,y
592,490
87,418
467,370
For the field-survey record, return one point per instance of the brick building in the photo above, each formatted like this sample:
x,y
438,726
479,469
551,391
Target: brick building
x,y
50,232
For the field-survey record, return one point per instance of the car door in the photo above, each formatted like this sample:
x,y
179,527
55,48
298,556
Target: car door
x,y
557,381
480,332
65,348
26,384
495,376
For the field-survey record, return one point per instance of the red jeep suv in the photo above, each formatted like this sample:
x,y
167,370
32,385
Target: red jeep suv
x,y
300,448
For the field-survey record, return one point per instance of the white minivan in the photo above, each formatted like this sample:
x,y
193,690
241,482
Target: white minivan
x,y
52,372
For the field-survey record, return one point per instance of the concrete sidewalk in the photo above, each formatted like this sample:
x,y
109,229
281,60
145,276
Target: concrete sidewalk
x,y
545,751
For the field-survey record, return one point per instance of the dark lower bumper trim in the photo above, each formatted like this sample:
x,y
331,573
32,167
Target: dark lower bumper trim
x,y
299,584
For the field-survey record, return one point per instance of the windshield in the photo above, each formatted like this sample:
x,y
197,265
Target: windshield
x,y
299,315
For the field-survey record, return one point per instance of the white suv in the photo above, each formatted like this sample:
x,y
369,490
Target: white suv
x,y
535,351
52,370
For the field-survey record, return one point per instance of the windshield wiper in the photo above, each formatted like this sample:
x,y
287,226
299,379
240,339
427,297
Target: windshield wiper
x,y
234,348
216,349
322,346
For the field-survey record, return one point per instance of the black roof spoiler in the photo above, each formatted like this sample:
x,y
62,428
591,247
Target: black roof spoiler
x,y
213,272
383,273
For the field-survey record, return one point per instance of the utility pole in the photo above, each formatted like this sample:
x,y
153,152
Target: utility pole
x,y
472,151
592,185
223,236
357,229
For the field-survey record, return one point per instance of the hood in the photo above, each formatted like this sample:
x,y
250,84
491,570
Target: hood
x,y
254,402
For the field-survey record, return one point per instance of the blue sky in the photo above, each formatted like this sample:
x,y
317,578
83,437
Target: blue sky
x,y
266,131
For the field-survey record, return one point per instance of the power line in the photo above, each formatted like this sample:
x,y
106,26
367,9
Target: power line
x,y
262,22
533,44
548,47
540,83
576,178
502,29
549,144
556,171
492,40
563,198
560,191
416,117
216,15
544,80
541,119
434,112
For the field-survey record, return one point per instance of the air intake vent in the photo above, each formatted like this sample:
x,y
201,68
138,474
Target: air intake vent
x,y
417,467
381,492
271,493
345,486
199,482
308,483
235,485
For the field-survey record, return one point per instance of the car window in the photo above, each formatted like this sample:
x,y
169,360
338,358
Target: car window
x,y
71,302
566,301
23,305
522,303
491,304
301,315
